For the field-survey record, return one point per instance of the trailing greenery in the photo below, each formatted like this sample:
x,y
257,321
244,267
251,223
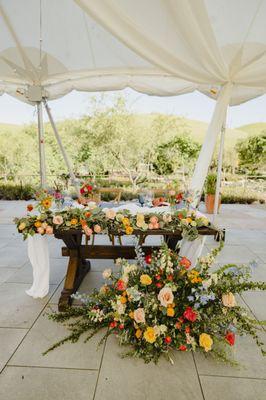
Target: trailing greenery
x,y
160,304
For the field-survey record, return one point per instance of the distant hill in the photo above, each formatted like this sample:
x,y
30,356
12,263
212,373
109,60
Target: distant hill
x,y
10,128
254,129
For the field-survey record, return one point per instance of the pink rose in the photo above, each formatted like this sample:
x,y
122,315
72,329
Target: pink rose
x,y
165,296
150,226
97,228
58,220
139,316
153,220
49,230
88,231
40,230
156,226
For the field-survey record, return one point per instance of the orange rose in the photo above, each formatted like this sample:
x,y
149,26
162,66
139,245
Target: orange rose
x,y
29,207
37,224
74,221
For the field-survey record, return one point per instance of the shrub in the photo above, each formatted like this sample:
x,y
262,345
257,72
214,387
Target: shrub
x,y
16,192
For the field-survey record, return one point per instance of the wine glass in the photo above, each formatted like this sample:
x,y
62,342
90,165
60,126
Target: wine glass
x,y
141,199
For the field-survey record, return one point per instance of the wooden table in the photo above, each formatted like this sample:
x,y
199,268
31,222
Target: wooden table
x,y
79,254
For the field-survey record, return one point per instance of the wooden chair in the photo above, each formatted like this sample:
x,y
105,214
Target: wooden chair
x,y
116,191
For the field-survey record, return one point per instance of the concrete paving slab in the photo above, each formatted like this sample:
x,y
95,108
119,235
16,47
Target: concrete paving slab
x,y
252,364
236,254
9,341
22,383
220,388
6,273
92,280
43,335
58,268
256,300
17,309
133,379
13,258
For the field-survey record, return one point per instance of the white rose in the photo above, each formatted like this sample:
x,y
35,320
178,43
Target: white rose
x,y
165,296
107,273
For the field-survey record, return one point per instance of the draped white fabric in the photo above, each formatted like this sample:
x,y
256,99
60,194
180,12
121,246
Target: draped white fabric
x,y
38,253
160,47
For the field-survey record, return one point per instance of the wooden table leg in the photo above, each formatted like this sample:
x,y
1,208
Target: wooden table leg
x,y
77,269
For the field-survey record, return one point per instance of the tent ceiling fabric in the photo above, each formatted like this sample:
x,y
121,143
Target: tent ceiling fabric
x,y
158,47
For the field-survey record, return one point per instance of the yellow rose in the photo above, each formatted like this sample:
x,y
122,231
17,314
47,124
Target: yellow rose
x,y
149,335
129,230
74,221
140,220
228,300
170,312
138,333
37,224
22,226
189,220
131,314
205,341
125,221
145,279
123,299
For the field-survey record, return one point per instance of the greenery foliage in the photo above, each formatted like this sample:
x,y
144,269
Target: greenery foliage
x,y
160,304
252,152
210,183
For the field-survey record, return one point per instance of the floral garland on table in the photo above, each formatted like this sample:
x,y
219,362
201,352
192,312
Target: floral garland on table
x,y
91,219
159,304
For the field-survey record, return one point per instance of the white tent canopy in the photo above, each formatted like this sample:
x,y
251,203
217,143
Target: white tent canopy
x,y
159,47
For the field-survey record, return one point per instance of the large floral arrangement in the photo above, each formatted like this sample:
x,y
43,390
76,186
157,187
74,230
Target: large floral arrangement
x,y
92,219
161,304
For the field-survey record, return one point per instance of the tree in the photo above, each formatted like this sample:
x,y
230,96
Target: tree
x,y
252,152
181,151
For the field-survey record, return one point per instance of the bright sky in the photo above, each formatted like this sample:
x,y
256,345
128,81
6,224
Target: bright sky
x,y
193,106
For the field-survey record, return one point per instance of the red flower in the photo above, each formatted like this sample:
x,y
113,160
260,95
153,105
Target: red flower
x,y
29,207
148,259
120,285
157,277
158,284
187,329
82,190
178,325
170,277
185,262
113,324
230,338
180,216
182,347
179,197
190,314
167,340
89,188
121,326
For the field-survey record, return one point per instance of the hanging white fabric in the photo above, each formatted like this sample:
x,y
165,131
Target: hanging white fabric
x,y
38,253
192,250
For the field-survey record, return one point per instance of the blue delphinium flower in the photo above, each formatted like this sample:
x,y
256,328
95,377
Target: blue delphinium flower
x,y
191,298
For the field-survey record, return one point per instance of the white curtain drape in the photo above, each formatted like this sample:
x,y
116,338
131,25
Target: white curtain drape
x,y
192,250
38,253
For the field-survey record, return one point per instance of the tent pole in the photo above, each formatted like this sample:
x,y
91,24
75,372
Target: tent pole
x,y
41,145
63,151
219,173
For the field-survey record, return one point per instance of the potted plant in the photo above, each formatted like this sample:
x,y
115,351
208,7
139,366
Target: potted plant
x,y
210,187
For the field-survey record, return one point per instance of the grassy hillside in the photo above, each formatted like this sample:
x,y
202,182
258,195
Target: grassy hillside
x,y
10,128
254,129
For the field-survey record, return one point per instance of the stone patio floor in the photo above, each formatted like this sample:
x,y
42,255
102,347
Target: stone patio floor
x,y
82,371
